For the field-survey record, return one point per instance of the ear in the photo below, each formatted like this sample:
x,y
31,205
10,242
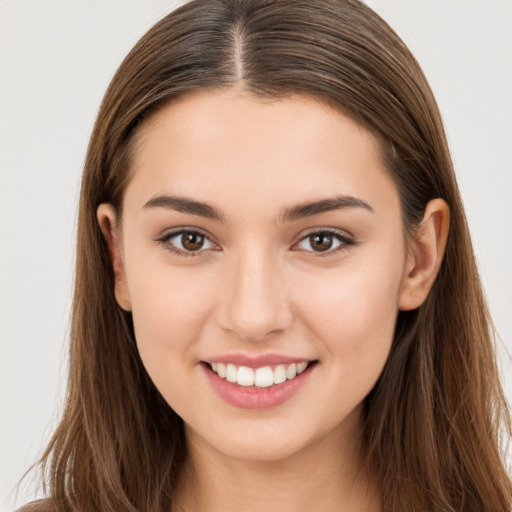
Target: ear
x,y
107,219
426,250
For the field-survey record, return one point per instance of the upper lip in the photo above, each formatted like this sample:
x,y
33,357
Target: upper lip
x,y
256,361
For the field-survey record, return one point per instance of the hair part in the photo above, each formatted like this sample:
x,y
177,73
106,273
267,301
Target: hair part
x,y
436,417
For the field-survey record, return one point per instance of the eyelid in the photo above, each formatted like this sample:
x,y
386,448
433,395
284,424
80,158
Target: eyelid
x,y
346,241
165,238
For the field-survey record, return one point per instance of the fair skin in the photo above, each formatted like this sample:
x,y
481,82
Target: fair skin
x,y
256,287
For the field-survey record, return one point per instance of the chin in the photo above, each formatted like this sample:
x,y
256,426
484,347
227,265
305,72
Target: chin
x,y
261,448
264,440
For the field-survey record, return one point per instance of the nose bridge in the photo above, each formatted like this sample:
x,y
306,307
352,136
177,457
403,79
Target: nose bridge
x,y
255,304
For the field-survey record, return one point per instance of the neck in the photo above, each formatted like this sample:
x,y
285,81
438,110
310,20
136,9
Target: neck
x,y
329,475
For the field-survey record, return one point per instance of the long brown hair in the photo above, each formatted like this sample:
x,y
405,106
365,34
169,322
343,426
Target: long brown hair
x,y
437,418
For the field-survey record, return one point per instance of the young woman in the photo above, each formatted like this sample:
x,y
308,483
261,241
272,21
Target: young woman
x,y
276,302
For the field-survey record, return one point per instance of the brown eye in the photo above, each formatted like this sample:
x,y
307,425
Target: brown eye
x,y
321,241
328,242
187,243
192,241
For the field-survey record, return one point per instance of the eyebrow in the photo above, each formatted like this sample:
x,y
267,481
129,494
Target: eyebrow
x,y
186,205
324,205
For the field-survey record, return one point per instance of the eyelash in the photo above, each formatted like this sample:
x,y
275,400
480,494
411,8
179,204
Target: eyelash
x,y
165,241
345,242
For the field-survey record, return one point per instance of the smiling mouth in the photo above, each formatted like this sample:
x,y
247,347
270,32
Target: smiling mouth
x,y
263,377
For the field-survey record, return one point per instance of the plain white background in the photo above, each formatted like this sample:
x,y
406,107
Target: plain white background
x,y
57,57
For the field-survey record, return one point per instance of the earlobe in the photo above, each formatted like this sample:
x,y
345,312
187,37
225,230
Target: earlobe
x,y
107,219
426,251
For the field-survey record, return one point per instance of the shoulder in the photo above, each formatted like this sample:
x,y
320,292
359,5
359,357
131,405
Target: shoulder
x,y
45,505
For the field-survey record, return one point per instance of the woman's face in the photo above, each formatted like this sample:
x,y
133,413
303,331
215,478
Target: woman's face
x,y
260,236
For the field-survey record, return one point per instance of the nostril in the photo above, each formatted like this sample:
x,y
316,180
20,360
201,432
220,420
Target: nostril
x,y
254,326
253,305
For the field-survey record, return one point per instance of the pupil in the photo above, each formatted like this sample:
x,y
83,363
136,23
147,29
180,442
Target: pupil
x,y
321,242
192,241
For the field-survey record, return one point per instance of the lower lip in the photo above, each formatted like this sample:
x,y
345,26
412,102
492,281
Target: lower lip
x,y
256,398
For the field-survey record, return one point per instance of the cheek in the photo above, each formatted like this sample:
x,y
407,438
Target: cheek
x,y
353,313
168,309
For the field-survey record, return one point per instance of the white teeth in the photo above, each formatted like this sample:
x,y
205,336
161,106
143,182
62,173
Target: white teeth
x,y
263,377
221,370
245,376
231,372
279,374
301,367
291,371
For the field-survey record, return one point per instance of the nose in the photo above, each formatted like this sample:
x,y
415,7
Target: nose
x,y
255,303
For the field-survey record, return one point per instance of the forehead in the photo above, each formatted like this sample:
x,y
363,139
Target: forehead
x,y
223,145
